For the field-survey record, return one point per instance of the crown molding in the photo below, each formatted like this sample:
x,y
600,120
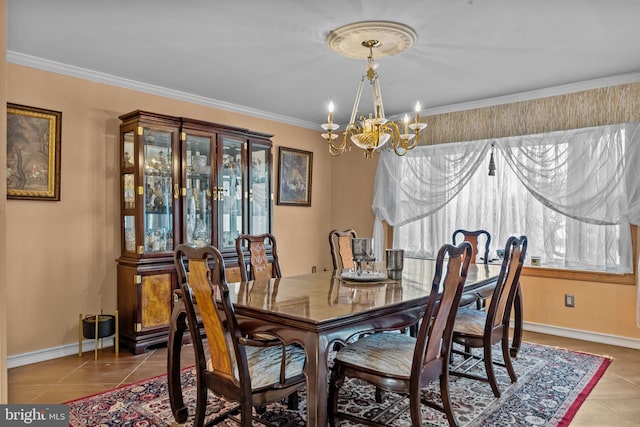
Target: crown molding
x,y
95,76
82,73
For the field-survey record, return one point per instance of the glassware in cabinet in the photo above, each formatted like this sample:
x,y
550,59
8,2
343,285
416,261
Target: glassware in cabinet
x,y
260,189
158,189
197,208
230,191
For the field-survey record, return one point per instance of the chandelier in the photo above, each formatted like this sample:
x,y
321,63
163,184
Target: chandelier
x,y
374,131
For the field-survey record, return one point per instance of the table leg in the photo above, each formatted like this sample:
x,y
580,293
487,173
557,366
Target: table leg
x,y
176,330
316,371
517,330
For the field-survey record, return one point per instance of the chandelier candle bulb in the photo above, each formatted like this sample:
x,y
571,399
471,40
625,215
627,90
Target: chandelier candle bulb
x,y
406,124
330,112
417,111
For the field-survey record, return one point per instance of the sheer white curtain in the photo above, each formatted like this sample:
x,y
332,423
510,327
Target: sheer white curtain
x,y
413,186
567,183
503,205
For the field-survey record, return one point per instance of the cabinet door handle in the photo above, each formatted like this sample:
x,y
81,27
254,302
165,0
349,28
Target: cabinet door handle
x,y
251,195
176,191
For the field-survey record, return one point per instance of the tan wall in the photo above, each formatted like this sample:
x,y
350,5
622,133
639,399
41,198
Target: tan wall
x,y
62,255
352,181
3,205
603,308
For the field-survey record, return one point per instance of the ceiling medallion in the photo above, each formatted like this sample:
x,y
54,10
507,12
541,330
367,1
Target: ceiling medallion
x,y
393,38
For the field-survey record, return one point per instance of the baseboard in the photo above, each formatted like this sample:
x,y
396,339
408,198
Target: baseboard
x,y
89,345
54,352
582,335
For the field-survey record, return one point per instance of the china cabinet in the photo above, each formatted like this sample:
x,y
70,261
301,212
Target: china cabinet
x,y
182,181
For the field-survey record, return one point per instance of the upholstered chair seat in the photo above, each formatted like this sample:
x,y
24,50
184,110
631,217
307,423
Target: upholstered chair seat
x,y
265,363
470,321
388,352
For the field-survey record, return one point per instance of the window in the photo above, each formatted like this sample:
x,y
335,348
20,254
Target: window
x,y
573,193
503,206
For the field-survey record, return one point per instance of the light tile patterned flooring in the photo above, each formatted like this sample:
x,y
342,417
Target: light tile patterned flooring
x,y
615,401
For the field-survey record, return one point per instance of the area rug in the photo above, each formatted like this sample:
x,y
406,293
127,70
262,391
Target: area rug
x,y
552,384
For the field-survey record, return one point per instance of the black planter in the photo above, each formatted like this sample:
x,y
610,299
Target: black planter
x,y
106,326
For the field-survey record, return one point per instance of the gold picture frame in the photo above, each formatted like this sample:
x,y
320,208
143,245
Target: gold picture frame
x,y
33,153
295,168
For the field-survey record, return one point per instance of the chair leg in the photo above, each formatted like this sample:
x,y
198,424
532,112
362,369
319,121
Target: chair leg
x,y
378,395
507,358
292,401
414,408
201,405
488,365
446,399
246,412
337,380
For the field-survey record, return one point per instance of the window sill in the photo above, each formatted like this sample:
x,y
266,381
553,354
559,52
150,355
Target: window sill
x,y
580,275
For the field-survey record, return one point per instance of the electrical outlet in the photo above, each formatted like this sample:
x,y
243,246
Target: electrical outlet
x,y
569,300
313,269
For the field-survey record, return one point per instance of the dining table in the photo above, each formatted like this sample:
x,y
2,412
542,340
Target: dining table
x,y
321,309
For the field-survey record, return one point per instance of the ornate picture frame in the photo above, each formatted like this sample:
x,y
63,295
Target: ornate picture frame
x,y
33,153
295,168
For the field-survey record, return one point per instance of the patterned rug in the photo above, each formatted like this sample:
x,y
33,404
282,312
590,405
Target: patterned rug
x,y
552,384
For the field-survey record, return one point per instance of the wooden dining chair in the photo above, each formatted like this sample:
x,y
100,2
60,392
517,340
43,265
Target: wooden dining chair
x,y
340,244
403,364
474,237
249,371
483,329
259,265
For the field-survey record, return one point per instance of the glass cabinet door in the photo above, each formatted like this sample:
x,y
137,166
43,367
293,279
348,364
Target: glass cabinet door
x,y
158,188
197,194
127,169
260,189
230,192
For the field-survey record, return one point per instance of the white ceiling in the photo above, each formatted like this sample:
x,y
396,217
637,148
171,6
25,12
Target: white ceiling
x,y
271,58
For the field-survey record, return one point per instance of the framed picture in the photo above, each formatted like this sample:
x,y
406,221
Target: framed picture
x,y
294,176
33,153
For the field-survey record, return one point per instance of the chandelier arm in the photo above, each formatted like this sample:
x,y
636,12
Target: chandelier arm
x,y
398,148
337,149
413,145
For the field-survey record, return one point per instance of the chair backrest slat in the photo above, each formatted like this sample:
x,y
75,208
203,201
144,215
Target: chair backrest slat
x,y
504,292
341,252
201,288
260,267
472,237
434,336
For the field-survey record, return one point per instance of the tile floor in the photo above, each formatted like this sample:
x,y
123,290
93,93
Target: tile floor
x,y
615,401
